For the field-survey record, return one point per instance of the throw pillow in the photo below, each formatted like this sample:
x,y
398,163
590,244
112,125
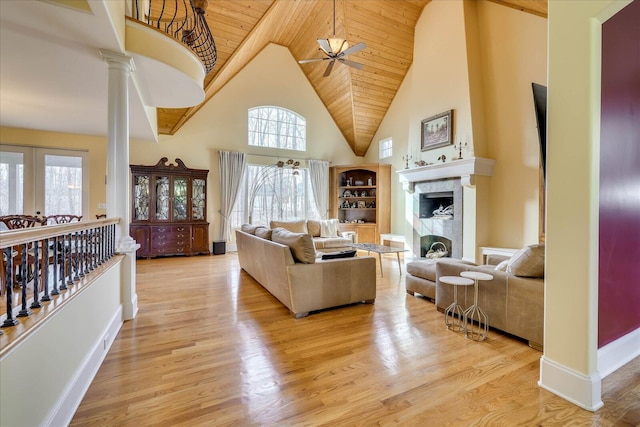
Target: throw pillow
x,y
313,227
293,226
342,254
527,262
329,228
500,267
301,244
249,228
264,233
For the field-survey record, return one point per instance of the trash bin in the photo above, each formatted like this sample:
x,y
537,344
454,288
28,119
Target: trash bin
x,y
219,247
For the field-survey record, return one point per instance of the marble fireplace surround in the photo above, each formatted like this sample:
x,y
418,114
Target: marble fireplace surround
x,y
440,177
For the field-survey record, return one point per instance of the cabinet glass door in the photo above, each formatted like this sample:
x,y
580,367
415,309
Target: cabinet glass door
x,y
141,197
162,198
180,198
198,199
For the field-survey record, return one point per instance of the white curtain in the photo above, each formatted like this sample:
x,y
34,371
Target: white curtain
x,y
319,176
232,167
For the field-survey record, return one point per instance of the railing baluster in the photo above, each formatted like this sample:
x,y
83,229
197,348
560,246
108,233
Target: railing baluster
x,y
45,270
68,274
36,277
24,311
77,272
56,266
10,320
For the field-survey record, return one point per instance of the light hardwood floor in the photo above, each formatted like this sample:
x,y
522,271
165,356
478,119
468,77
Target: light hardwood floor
x,y
211,347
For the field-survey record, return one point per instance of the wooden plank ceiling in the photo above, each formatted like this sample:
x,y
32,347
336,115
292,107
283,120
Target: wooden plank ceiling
x,y
356,99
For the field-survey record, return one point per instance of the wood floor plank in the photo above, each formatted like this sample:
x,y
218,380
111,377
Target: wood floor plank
x,y
212,347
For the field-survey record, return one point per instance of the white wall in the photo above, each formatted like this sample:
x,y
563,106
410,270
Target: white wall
x,y
273,77
44,378
478,58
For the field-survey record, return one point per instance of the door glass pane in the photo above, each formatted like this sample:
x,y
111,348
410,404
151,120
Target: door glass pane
x,y
141,198
180,198
11,183
162,197
197,199
63,185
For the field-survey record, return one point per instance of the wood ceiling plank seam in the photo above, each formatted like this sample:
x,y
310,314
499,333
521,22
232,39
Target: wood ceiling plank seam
x,y
361,28
305,36
387,86
249,43
375,20
241,11
347,24
400,13
391,17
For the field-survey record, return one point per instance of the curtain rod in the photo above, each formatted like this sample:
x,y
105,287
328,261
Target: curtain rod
x,y
281,157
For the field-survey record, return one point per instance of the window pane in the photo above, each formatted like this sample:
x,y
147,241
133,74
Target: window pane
x,y
386,148
11,183
63,185
276,128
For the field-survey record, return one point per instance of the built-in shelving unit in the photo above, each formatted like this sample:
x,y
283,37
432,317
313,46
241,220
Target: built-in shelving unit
x,y
360,199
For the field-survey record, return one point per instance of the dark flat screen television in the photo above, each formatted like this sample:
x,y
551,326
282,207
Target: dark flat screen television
x,y
540,104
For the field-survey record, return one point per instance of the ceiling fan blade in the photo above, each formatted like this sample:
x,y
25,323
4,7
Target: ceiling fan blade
x,y
353,64
355,48
324,45
304,61
329,68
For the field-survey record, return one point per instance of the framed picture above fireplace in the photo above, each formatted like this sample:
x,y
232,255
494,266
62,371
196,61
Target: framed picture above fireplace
x,y
437,131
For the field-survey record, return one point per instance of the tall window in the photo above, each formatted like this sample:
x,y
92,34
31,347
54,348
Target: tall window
x,y
386,148
277,127
271,193
41,181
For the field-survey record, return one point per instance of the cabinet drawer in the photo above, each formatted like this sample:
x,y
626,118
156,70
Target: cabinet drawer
x,y
171,229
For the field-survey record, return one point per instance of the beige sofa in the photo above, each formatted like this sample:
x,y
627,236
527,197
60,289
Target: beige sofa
x,y
336,242
513,300
305,287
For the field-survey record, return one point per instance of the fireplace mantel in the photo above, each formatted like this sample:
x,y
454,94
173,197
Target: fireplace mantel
x,y
466,169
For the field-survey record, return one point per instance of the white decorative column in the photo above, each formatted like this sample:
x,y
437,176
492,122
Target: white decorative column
x,y
118,200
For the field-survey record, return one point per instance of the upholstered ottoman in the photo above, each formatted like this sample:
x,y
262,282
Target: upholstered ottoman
x,y
421,276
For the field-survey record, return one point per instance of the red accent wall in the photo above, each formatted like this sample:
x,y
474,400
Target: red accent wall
x,y
619,263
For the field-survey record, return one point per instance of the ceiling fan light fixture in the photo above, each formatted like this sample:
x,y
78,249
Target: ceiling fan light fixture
x,y
337,45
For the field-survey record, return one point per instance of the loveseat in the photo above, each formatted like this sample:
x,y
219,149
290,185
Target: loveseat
x,y
513,300
325,233
288,268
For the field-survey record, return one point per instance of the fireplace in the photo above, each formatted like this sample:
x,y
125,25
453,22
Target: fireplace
x,y
437,218
430,187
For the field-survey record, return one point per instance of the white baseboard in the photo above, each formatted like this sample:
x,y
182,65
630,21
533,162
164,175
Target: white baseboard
x,y
68,403
618,353
579,389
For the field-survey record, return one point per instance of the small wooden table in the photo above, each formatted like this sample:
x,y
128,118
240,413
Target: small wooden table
x,y
379,249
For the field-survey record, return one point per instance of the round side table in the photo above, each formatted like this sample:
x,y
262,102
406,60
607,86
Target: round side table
x,y
458,320
474,314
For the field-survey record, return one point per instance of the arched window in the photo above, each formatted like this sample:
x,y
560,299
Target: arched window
x,y
277,127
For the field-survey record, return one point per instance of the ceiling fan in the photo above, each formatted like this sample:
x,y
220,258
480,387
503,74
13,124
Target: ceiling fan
x,y
336,49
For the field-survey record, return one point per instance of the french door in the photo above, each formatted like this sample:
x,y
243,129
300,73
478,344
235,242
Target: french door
x,y
43,181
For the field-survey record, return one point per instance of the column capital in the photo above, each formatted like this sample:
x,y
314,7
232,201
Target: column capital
x,y
118,60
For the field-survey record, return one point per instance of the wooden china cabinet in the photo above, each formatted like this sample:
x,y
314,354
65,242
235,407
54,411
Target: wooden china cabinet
x,y
359,196
169,209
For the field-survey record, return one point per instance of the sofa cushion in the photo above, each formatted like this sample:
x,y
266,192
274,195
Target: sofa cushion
x,y
249,228
263,232
329,228
341,254
293,226
313,227
527,262
331,242
301,244
425,269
